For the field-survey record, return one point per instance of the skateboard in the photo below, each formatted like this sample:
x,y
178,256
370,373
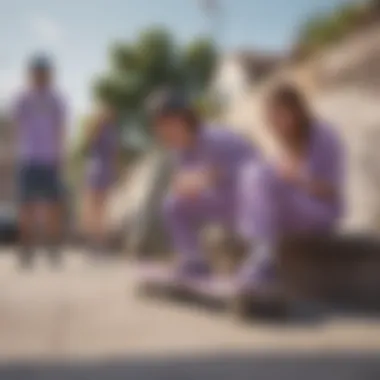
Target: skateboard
x,y
217,292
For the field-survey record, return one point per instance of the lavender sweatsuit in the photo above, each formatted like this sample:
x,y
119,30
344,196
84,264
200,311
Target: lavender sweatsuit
x,y
227,153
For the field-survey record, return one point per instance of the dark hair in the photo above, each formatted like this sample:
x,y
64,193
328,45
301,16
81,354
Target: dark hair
x,y
40,63
290,97
167,102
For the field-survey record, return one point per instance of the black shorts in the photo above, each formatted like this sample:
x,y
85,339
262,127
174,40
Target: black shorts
x,y
39,182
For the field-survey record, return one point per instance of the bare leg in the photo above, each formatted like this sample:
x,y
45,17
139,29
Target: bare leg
x,y
27,222
53,228
86,217
95,218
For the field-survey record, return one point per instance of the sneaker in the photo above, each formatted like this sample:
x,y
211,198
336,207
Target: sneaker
x,y
55,257
193,270
262,277
26,258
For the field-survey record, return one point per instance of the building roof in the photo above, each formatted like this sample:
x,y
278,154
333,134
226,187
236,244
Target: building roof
x,y
258,63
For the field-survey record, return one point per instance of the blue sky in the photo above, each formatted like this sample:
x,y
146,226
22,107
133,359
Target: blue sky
x,y
78,32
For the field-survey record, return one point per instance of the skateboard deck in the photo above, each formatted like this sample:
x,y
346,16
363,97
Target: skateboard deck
x,y
157,280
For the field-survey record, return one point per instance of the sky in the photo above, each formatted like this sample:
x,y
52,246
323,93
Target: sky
x,y
78,33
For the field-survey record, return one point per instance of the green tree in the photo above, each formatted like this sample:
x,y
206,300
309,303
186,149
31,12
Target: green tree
x,y
153,60
199,59
325,29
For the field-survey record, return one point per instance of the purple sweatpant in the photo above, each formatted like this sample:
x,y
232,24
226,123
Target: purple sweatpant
x,y
271,206
185,217
265,206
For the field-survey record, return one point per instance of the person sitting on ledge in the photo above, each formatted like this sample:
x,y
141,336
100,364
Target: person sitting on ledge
x,y
207,163
301,193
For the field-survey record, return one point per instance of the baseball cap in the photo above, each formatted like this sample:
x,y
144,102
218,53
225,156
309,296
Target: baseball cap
x,y
40,62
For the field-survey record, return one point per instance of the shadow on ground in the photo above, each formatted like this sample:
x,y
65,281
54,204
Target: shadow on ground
x,y
359,366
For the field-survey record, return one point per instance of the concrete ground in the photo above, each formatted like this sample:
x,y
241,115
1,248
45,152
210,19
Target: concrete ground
x,y
91,313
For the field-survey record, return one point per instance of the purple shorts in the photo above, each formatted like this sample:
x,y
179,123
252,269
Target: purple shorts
x,y
99,177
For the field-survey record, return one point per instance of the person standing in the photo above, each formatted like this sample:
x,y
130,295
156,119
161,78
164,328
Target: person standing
x,y
40,120
102,162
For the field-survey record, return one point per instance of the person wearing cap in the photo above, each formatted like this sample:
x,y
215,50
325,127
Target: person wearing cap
x,y
40,118
301,192
208,161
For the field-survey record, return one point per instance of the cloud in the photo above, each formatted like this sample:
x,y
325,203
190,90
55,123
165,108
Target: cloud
x,y
47,31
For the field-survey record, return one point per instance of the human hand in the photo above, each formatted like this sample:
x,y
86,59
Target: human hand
x,y
290,170
190,184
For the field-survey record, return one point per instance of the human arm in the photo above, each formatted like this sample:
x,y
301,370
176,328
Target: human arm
x,y
61,125
232,152
323,178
